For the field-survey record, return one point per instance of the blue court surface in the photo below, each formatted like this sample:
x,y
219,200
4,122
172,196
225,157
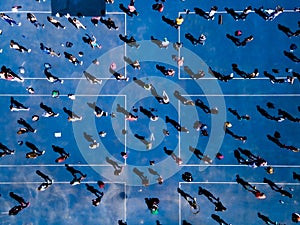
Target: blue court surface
x,y
139,125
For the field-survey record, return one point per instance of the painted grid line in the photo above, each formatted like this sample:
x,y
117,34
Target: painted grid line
x,y
233,182
195,95
57,182
107,165
240,11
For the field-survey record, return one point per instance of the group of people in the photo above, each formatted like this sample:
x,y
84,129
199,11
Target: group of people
x,y
152,203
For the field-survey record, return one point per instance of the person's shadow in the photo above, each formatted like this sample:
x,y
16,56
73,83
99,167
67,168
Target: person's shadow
x,y
168,21
235,40
140,174
291,56
285,30
201,13
191,38
156,41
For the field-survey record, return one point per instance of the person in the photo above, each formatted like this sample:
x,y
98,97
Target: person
x,y
96,192
295,217
22,204
201,40
131,9
71,115
76,180
97,110
63,154
76,22
27,126
48,111
152,204
178,22
9,20
47,181
35,151
187,177
177,45
55,22
8,74
245,13
17,106
109,23
117,75
212,12
179,60
48,51
165,43
50,77
247,40
93,42
120,222
274,13
158,7
32,18
95,20
17,46
72,59
6,150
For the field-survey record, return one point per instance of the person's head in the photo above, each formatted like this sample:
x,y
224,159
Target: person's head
x,y
96,201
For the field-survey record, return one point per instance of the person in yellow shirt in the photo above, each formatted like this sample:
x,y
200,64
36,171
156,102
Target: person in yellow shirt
x,y
178,22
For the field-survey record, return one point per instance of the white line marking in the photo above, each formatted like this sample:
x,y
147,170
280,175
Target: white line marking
x,y
179,133
237,165
195,95
179,206
125,127
61,95
125,202
232,182
247,95
240,11
58,182
49,12
235,78
57,165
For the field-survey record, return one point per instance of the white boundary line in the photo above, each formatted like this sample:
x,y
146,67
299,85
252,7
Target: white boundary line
x,y
179,206
236,165
235,78
180,78
239,11
61,95
193,95
232,182
125,127
59,182
107,165
116,12
246,95
49,12
125,202
54,165
179,133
